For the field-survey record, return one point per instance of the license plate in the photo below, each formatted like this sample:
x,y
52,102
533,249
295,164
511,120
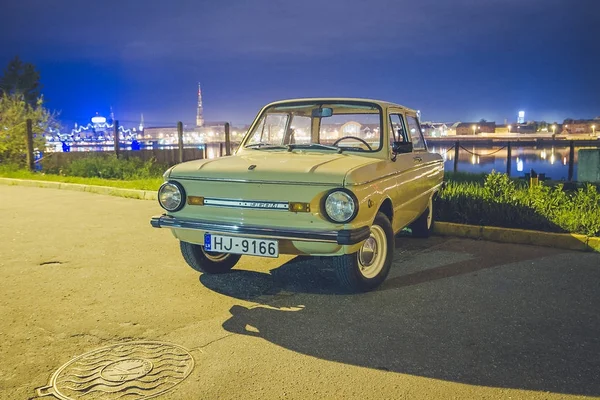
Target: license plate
x,y
240,245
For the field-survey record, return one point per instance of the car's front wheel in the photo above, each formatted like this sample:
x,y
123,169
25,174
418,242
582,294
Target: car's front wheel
x,y
368,268
207,261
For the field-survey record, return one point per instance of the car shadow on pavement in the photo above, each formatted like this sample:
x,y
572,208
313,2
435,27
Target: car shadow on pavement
x,y
467,311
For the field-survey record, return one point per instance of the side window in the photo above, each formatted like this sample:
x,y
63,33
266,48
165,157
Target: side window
x,y
415,133
398,132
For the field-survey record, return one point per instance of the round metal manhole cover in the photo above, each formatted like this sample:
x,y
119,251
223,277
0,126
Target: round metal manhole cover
x,y
134,370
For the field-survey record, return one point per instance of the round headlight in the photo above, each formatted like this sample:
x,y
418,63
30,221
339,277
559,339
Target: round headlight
x,y
171,196
340,206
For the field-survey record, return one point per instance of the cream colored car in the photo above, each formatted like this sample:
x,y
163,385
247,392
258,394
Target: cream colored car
x,y
328,177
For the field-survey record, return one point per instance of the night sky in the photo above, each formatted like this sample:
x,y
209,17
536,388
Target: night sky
x,y
455,60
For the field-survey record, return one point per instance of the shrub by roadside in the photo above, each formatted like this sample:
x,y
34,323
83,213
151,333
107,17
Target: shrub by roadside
x,y
98,170
111,167
502,202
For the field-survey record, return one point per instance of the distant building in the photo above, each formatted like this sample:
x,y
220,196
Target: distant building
x,y
167,135
475,128
521,117
503,129
452,128
428,129
581,126
529,127
434,129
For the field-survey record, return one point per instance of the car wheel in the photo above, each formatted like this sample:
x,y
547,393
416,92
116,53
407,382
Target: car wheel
x,y
207,261
422,227
368,268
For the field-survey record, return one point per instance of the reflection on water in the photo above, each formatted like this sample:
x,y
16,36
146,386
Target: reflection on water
x,y
552,160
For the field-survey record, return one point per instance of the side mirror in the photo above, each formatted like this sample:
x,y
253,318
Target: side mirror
x,y
402,147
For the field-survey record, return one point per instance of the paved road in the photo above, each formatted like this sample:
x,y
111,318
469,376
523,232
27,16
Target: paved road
x,y
455,319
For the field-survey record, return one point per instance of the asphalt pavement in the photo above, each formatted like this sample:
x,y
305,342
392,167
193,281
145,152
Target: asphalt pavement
x,y
456,318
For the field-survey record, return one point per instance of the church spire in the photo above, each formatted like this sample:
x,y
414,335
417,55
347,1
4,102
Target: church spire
x,y
199,115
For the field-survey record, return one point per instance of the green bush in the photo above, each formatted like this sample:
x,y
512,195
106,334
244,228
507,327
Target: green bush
x,y
112,167
502,202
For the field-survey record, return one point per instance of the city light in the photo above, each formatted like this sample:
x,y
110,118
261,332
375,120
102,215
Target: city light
x,y
98,120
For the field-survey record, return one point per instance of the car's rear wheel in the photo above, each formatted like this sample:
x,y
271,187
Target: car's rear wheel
x,y
422,227
368,268
207,261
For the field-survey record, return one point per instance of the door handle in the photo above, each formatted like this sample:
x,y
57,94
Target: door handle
x,y
417,159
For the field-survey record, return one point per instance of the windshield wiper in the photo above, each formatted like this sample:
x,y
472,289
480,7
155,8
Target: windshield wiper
x,y
291,147
265,146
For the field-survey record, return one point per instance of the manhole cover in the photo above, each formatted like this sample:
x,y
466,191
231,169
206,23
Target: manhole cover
x,y
135,370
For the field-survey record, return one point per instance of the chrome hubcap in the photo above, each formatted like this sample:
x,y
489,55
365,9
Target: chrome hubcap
x,y
371,256
368,252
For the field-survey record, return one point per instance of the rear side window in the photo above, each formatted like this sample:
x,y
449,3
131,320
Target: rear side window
x,y
415,133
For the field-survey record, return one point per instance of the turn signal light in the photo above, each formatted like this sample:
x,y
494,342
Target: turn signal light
x,y
195,200
299,207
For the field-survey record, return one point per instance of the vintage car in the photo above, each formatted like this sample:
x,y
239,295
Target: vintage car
x,y
327,177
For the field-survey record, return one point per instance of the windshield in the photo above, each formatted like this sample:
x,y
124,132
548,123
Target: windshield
x,y
352,126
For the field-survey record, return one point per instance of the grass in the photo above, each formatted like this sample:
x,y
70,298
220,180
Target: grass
x,y
503,202
142,184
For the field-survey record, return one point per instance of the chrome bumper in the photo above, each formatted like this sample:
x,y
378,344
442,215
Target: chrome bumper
x,y
344,236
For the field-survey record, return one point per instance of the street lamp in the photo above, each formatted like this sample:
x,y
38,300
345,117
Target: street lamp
x,y
474,128
553,129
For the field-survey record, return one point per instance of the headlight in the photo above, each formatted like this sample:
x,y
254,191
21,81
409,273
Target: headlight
x,y
340,206
171,196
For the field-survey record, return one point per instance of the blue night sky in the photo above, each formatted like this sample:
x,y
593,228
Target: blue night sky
x,y
452,59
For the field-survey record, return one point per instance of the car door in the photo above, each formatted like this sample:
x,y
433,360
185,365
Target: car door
x,y
428,166
405,191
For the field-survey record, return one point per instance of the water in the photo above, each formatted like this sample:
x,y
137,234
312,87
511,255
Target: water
x,y
547,159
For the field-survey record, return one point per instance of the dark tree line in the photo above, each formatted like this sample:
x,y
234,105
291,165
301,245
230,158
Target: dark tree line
x,y
20,78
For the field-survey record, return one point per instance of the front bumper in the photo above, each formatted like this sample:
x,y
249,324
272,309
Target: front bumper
x,y
342,237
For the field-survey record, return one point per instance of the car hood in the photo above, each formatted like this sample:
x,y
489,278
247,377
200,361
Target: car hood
x,y
270,166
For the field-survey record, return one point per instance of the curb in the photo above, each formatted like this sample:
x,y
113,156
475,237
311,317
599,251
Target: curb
x,y
106,190
568,241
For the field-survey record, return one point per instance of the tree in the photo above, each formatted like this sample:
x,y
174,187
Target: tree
x,y
14,113
21,79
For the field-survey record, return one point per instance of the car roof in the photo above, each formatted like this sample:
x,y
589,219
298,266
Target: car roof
x,y
340,99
